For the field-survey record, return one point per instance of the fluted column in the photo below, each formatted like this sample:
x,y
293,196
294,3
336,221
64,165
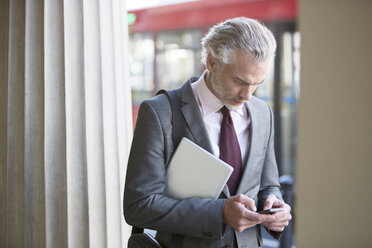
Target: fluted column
x,y
55,127
65,123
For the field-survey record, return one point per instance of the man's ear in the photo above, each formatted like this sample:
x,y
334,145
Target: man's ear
x,y
211,63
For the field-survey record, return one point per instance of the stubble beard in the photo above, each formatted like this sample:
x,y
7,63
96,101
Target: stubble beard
x,y
218,88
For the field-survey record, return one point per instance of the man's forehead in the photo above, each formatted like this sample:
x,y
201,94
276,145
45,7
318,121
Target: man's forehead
x,y
246,65
248,81
239,54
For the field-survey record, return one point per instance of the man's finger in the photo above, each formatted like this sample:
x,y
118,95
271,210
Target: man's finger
x,y
277,226
277,204
284,215
271,199
250,203
267,218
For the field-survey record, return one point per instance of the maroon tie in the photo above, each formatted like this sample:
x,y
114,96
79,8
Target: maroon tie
x,y
230,150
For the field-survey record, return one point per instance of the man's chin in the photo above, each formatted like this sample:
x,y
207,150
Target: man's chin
x,y
235,106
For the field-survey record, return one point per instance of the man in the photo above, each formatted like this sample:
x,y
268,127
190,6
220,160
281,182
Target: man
x,y
237,54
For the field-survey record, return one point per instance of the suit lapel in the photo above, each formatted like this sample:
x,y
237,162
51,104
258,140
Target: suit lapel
x,y
191,112
252,140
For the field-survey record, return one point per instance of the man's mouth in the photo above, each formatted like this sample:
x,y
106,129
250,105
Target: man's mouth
x,y
239,102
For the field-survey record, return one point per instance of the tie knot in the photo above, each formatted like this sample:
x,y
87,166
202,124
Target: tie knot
x,y
225,111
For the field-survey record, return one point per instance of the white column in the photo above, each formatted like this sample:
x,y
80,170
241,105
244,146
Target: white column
x,y
55,126
34,184
65,123
94,121
77,192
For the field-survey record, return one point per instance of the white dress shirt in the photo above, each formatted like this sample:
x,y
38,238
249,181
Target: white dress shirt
x,y
210,107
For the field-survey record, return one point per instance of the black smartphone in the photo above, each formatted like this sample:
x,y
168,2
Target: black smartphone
x,y
271,211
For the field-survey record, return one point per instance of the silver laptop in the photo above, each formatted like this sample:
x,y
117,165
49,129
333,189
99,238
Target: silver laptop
x,y
194,172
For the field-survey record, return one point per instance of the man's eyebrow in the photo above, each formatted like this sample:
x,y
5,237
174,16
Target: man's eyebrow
x,y
245,82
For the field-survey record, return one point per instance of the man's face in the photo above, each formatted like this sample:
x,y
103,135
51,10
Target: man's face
x,y
235,83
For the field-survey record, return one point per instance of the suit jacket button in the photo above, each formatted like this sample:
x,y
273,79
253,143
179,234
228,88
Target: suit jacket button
x,y
207,234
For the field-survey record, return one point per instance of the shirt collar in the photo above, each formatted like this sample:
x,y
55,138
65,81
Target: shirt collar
x,y
209,103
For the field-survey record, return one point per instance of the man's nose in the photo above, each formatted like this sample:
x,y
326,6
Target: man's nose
x,y
246,93
247,96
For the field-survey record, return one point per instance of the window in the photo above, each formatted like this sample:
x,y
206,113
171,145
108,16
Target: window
x,y
141,66
178,57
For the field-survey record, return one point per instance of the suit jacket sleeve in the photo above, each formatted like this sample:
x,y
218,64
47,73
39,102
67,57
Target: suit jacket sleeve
x,y
145,203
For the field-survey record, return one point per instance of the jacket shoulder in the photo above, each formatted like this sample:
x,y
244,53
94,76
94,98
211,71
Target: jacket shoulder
x,y
259,104
160,105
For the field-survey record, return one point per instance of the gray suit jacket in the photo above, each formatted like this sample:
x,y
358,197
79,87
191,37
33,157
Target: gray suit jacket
x,y
199,220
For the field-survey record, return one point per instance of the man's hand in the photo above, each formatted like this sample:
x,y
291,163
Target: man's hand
x,y
281,219
240,213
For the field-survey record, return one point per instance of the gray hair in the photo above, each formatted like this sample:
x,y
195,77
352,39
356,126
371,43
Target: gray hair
x,y
240,33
